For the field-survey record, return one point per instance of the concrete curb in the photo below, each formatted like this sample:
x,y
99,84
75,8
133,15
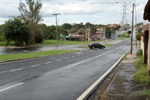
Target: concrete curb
x,y
97,83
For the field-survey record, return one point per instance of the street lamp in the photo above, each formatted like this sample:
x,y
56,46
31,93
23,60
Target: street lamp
x,y
56,26
131,45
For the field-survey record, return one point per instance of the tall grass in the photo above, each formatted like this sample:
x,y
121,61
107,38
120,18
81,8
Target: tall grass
x,y
142,72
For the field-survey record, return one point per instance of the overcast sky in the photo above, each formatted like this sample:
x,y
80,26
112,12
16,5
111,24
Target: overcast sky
x,y
76,11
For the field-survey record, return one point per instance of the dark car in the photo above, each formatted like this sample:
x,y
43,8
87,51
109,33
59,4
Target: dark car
x,y
96,45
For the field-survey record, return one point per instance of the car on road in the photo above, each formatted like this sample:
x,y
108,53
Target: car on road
x,y
96,45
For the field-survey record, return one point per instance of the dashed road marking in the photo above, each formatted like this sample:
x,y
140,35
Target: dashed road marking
x,y
58,59
48,62
4,72
4,89
35,65
67,58
14,70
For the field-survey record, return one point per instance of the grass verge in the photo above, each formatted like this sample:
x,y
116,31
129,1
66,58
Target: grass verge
x,y
9,57
142,74
61,42
124,35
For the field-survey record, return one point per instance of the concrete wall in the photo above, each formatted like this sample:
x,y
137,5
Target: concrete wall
x,y
142,45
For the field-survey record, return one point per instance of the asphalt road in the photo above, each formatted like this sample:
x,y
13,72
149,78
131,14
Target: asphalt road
x,y
60,77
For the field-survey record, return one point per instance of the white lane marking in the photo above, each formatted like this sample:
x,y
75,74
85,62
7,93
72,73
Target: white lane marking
x,y
14,70
58,59
48,62
4,72
4,89
67,58
35,65
72,56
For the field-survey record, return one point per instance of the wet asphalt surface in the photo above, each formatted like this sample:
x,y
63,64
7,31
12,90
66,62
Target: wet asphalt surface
x,y
60,77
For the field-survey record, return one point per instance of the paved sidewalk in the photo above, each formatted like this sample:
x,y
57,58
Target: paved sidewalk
x,y
123,87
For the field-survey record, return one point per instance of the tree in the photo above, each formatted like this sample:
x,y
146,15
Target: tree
x,y
30,15
67,26
63,31
2,35
17,31
108,32
52,31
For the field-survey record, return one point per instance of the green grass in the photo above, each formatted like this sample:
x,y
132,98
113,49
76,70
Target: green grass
x,y
60,42
142,72
2,43
9,57
52,42
147,92
142,75
5,43
139,52
107,45
123,36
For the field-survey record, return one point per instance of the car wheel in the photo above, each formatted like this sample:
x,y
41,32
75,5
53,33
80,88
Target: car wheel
x,y
91,47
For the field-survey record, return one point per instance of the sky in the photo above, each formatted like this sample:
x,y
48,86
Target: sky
x,y
77,11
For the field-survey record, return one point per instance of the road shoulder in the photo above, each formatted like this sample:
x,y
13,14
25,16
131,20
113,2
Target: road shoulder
x,y
123,85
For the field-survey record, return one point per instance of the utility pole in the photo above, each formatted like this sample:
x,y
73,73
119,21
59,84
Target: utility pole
x,y
56,14
131,48
131,45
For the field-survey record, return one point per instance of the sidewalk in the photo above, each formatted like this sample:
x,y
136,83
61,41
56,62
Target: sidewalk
x,y
123,86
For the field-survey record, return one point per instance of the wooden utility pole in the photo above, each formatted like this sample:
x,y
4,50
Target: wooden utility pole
x,y
131,48
56,27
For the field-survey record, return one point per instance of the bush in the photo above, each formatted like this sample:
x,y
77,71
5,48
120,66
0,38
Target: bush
x,y
39,38
138,37
139,52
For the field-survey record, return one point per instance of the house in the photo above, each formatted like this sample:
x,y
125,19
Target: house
x,y
147,34
100,33
75,37
113,33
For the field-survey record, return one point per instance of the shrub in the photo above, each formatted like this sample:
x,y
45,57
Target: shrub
x,y
139,52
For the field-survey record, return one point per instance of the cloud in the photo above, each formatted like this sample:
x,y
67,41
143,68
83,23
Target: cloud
x,y
94,11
